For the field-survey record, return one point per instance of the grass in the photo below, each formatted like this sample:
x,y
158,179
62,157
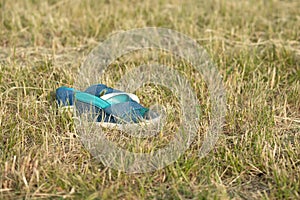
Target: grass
x,y
256,46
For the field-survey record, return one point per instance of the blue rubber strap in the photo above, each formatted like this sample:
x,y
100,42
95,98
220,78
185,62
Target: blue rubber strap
x,y
91,99
101,103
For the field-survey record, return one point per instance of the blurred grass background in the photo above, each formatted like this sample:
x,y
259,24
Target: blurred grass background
x,y
256,46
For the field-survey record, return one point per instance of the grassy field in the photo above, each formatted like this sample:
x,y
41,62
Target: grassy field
x,y
256,46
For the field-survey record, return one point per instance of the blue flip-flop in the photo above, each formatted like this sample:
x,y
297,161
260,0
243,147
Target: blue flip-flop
x,y
105,105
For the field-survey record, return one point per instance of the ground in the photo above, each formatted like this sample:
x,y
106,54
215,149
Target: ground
x,y
256,48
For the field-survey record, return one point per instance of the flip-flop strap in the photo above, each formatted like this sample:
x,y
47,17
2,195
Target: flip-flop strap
x,y
91,99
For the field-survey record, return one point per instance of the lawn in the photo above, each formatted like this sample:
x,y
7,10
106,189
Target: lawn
x,y
256,48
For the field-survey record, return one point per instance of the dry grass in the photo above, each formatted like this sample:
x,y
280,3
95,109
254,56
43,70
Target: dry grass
x,y
256,45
